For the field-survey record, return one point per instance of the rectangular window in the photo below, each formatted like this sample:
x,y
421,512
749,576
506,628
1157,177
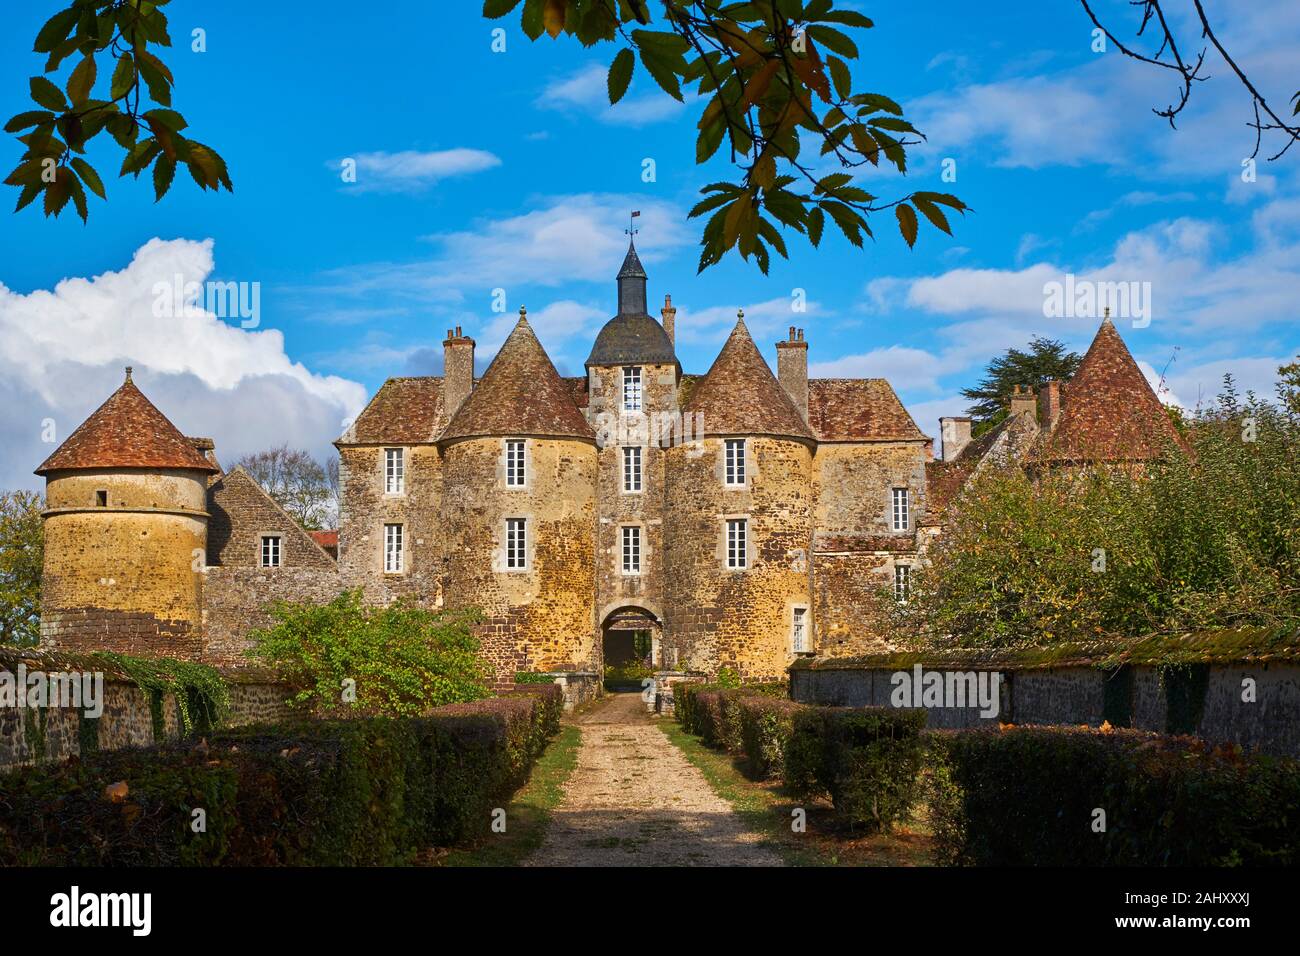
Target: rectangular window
x,y
631,388
632,468
101,499
799,631
516,544
902,507
270,551
735,462
737,543
394,472
515,476
392,549
631,550
902,583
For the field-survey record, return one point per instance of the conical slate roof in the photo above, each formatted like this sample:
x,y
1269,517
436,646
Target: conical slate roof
x,y
632,340
1110,412
632,268
741,396
127,431
519,394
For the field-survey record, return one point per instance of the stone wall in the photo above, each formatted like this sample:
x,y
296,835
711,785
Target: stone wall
x,y
237,590
737,619
1080,695
126,575
49,734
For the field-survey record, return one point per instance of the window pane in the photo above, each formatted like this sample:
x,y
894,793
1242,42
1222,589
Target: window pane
x,y
631,389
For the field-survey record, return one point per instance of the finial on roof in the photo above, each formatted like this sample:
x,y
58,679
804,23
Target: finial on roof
x,y
740,314
128,375
1105,314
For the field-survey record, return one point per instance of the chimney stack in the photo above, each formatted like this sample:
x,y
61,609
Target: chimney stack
x,y
1023,403
792,369
954,431
457,370
669,314
1049,404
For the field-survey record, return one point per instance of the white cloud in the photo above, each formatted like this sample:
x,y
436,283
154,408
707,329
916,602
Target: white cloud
x,y
62,353
586,92
413,171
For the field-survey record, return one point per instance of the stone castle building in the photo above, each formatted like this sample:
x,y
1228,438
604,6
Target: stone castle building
x,y
736,519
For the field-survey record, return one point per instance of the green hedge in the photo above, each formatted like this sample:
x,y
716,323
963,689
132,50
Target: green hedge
x,y
866,759
354,792
1028,796
706,710
766,725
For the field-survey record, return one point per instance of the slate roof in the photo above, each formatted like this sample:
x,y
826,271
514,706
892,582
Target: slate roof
x,y
632,340
519,394
858,409
1109,412
127,431
741,396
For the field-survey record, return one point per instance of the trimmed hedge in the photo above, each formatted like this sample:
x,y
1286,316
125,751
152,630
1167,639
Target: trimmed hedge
x,y
1028,796
707,711
866,759
348,793
766,725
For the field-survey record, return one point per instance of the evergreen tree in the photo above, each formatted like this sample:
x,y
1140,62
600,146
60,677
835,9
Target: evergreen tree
x,y
1046,359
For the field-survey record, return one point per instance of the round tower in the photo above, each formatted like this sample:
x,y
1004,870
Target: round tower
x,y
519,502
738,523
125,534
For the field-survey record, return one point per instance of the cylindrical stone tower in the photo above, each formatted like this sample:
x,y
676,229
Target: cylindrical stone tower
x,y
125,534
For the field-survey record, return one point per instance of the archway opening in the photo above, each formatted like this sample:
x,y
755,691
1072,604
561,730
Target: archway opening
x,y
630,642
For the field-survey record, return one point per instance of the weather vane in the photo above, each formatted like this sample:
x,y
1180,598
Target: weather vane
x,y
631,231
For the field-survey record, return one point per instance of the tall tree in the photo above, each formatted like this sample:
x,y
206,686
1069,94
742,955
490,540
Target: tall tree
x,y
21,556
1046,360
297,482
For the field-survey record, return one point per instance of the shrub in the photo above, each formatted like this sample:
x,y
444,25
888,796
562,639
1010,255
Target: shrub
x,y
1027,796
350,793
701,710
404,659
866,759
766,725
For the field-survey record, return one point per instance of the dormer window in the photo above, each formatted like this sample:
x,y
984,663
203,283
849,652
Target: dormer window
x,y
632,388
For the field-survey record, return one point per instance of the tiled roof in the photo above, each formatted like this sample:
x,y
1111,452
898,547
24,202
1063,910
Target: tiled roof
x,y
578,387
741,396
127,431
858,409
1006,443
1109,412
405,411
520,394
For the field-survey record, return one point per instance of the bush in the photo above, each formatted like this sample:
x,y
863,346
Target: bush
x,y
766,726
701,710
347,793
866,759
1028,795
404,659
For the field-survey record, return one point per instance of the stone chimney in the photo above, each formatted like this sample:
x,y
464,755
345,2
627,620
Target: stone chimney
x,y
1023,402
1049,404
954,430
457,370
208,449
669,314
792,369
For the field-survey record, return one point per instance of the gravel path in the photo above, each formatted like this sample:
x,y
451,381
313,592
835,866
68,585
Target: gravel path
x,y
634,800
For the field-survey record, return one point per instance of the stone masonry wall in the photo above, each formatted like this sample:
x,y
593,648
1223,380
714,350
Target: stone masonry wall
x,y
541,618
718,617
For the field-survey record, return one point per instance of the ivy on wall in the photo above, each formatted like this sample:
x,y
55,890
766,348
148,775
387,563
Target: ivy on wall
x,y
201,695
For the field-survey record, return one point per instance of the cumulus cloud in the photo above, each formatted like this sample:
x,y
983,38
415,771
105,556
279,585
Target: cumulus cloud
x,y
62,353
585,92
414,171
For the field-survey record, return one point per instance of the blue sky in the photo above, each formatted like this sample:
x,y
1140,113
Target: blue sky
x,y
480,170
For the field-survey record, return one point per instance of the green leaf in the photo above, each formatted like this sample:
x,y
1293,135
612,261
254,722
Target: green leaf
x,y
850,18
89,176
933,213
620,74
167,118
47,94
533,20
30,118
78,197
834,40
156,75
82,80
710,138
495,9
57,194
906,223
840,76
29,193
54,32
123,129
662,73
816,222
123,77
163,172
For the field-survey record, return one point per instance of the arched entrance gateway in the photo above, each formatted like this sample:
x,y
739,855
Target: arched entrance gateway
x,y
630,636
